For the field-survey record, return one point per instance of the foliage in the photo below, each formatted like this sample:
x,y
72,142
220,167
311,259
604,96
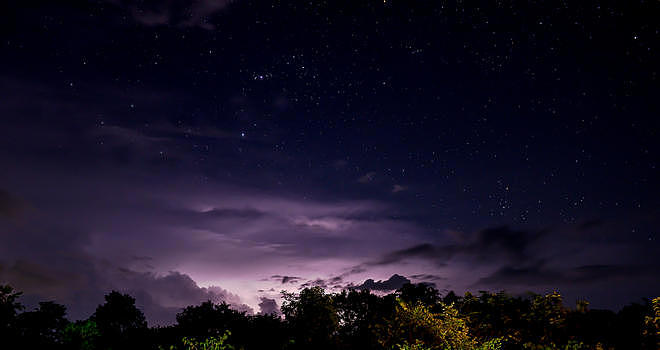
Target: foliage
x,y
312,317
419,293
9,307
209,319
415,326
211,343
358,313
415,317
42,327
652,323
572,345
119,321
418,345
119,314
81,335
545,318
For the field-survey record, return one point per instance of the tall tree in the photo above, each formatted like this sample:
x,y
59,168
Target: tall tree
x,y
119,321
312,318
359,312
9,308
210,319
43,327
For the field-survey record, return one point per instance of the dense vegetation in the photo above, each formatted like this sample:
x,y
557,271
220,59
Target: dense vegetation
x,y
414,317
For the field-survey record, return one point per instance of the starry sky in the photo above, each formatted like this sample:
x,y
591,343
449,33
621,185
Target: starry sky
x,y
184,150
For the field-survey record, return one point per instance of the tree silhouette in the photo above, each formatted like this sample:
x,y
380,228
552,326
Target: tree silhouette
x,y
420,292
119,320
9,307
43,327
415,317
312,318
358,312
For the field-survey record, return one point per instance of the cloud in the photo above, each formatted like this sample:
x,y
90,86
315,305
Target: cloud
x,y
183,13
319,282
501,243
428,277
269,306
393,283
367,178
422,251
398,188
101,229
62,268
286,279
335,283
10,205
169,292
539,274
328,223
82,282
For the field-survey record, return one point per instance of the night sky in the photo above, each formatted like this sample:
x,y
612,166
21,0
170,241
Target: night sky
x,y
186,150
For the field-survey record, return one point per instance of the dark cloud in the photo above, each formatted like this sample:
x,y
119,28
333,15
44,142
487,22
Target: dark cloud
x,y
286,279
393,283
428,277
541,275
335,283
423,251
319,282
499,243
10,205
268,307
246,213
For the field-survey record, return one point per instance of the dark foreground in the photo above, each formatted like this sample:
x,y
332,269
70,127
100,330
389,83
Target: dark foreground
x,y
414,317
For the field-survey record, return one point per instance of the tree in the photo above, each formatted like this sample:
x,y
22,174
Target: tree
x,y
629,326
81,335
312,318
119,321
358,313
495,315
43,327
652,324
420,292
210,343
9,307
212,320
415,326
271,330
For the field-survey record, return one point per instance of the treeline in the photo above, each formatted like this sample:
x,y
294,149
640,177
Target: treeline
x,y
414,317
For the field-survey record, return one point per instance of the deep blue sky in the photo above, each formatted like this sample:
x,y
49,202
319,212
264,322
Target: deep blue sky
x,y
164,147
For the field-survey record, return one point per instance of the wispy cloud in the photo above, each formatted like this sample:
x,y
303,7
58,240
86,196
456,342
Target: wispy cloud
x,y
398,188
183,13
367,178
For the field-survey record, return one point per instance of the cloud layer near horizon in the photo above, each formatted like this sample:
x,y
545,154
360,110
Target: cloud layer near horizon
x,y
152,240
175,244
